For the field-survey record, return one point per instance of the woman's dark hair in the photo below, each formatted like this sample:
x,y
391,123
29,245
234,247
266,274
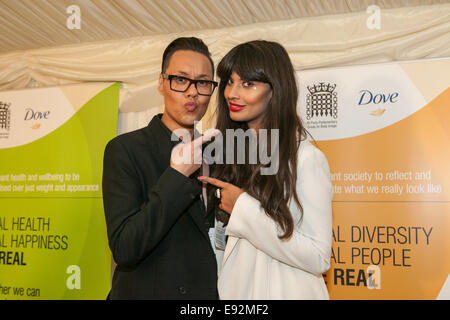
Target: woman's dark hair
x,y
267,62
193,44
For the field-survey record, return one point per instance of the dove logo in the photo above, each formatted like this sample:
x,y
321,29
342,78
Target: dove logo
x,y
367,97
35,115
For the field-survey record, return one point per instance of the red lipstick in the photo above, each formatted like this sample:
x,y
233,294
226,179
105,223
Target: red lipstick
x,y
235,107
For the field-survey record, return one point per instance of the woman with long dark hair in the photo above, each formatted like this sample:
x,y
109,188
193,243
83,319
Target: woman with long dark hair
x,y
277,215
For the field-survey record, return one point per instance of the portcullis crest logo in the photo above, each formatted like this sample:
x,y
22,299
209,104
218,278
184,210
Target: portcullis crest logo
x,y
5,119
321,101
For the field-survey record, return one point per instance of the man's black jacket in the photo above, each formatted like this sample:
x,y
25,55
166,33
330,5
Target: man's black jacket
x,y
156,221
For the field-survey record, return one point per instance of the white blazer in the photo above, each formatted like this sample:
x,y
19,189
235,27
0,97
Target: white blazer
x,y
256,264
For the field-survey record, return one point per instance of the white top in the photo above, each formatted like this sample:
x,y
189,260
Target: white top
x,y
258,265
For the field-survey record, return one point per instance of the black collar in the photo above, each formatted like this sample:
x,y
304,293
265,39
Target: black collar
x,y
159,138
157,120
162,131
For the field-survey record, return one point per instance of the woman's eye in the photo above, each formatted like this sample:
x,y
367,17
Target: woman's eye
x,y
229,82
248,84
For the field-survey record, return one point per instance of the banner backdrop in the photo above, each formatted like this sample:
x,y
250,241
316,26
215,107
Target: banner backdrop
x,y
385,131
53,241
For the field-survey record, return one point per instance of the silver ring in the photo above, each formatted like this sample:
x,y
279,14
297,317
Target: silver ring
x,y
218,193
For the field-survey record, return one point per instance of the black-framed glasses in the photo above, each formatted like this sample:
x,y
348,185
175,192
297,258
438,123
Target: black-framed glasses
x,y
182,84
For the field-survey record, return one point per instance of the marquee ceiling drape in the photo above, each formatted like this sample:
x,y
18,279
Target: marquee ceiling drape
x,y
32,24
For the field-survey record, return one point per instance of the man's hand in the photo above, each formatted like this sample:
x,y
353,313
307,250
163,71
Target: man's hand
x,y
187,157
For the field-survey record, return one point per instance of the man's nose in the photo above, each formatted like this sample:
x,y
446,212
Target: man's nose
x,y
191,90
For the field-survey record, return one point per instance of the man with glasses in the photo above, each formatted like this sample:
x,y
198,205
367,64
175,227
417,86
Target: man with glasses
x,y
156,218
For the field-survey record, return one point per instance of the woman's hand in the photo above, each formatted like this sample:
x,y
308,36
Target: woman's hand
x,y
228,193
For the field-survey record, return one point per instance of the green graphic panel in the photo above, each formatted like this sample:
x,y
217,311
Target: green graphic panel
x,y
53,242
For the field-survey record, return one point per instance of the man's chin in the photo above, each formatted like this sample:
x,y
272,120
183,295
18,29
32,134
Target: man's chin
x,y
190,119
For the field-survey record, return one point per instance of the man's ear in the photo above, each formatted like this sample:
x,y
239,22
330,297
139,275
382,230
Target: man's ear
x,y
160,83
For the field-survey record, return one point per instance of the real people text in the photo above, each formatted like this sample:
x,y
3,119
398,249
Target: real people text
x,y
360,252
